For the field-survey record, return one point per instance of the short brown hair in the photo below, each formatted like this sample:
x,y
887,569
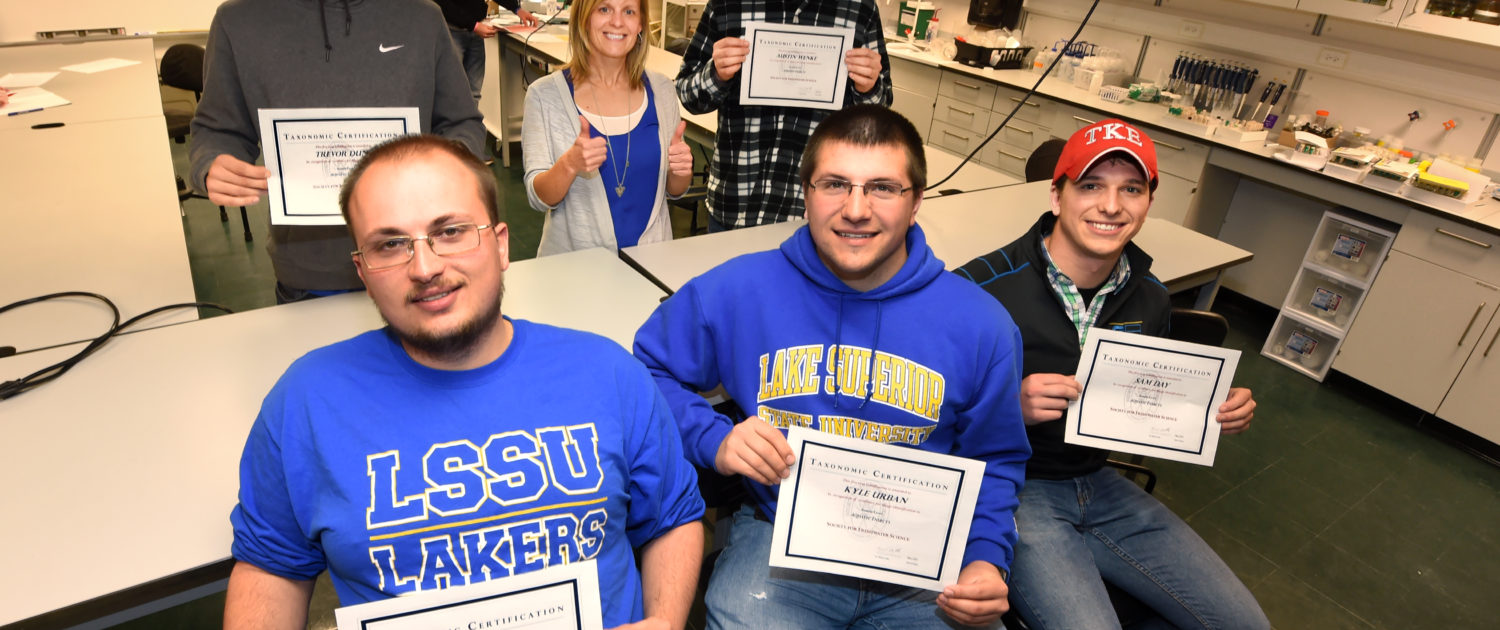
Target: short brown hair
x,y
868,126
407,147
578,43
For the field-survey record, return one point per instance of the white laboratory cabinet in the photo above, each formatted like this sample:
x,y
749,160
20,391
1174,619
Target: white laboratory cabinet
x,y
1386,12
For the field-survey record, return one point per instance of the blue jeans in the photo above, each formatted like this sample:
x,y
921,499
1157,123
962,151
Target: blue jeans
x,y
470,49
1077,534
746,592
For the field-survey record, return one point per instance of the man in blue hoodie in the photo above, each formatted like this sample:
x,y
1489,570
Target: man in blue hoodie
x,y
884,346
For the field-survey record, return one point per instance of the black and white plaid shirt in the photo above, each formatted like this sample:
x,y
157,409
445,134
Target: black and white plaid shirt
x,y
752,179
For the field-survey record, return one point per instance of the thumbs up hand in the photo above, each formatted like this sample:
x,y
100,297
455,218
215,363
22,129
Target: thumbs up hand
x,y
587,153
679,154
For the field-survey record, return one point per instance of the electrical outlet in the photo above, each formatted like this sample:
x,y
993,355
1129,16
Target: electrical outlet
x,y
1191,29
1333,57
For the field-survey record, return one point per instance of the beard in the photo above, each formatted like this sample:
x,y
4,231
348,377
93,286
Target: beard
x,y
457,343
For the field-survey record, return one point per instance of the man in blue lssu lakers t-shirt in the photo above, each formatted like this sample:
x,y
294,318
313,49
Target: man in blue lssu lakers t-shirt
x,y
456,445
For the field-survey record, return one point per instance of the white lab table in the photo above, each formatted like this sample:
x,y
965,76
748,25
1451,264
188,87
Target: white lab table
x,y
959,228
123,472
90,206
122,93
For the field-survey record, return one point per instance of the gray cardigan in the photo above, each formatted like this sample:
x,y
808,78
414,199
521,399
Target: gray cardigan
x,y
582,220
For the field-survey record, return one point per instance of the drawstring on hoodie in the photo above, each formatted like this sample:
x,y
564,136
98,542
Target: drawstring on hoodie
x,y
838,341
323,21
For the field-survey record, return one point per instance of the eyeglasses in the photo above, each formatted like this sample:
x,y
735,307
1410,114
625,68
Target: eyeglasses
x,y
838,189
397,250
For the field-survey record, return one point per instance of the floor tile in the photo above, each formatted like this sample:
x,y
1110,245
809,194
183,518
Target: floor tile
x,y
1291,604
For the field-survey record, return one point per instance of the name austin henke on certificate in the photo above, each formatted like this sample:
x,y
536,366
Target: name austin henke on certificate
x,y
874,511
310,150
795,66
1150,396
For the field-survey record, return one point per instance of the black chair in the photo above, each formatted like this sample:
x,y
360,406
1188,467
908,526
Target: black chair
x,y
696,193
1205,327
182,68
1043,160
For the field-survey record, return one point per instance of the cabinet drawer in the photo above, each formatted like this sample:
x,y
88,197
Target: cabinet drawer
x,y
1006,99
914,76
1457,247
953,138
1020,135
962,115
1005,158
967,89
1178,155
916,107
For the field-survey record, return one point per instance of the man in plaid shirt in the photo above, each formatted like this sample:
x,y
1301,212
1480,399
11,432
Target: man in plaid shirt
x,y
752,179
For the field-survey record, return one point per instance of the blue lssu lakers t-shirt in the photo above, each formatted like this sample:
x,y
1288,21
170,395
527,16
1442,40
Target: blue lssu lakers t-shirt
x,y
407,478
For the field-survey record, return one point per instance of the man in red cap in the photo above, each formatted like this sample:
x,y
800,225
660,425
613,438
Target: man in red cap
x,y
1086,533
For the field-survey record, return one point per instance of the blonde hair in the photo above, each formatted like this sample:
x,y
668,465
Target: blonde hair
x,y
580,52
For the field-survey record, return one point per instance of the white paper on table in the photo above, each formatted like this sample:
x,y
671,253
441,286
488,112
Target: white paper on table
x,y
795,66
27,100
26,79
1150,396
874,511
310,150
564,597
108,63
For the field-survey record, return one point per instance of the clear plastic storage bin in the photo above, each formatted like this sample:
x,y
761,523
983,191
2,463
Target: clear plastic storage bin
x,y
1325,299
1301,346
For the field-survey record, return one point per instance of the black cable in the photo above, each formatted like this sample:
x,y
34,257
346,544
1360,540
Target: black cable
x,y
13,388
1022,102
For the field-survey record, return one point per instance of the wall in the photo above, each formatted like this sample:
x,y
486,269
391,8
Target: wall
x,y
21,19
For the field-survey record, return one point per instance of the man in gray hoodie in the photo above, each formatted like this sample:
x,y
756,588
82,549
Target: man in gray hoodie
x,y
319,53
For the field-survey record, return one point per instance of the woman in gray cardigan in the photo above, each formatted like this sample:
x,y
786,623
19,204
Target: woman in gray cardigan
x,y
602,139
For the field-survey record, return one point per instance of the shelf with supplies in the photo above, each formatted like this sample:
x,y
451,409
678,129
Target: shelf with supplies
x,y
1336,273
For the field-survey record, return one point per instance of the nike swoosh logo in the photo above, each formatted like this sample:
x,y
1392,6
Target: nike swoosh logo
x,y
386,49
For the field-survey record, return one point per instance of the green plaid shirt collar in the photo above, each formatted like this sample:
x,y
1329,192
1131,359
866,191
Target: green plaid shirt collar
x,y
1083,315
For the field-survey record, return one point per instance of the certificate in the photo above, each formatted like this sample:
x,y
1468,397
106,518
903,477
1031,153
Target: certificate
x,y
1150,396
309,151
555,598
795,66
874,511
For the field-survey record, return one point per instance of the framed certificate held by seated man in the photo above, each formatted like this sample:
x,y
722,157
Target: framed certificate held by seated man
x,y
874,511
560,597
795,66
1150,396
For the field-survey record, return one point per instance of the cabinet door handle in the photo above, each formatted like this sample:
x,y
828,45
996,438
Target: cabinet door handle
x,y
1084,120
961,110
1492,342
955,135
1471,323
1009,155
1168,145
1014,128
967,85
1026,103
1463,238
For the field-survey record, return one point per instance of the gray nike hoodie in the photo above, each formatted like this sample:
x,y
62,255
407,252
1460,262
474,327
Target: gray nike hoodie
x,y
325,53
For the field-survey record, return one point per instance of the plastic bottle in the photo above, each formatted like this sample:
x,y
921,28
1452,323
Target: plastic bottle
x,y
1044,59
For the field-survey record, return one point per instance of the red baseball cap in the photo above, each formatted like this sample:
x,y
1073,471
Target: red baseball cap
x,y
1103,138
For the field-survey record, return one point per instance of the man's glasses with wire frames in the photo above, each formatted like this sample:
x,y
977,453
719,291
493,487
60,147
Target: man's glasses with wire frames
x,y
394,251
837,189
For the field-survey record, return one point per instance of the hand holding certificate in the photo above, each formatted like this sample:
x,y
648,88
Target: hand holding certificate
x,y
795,66
874,511
1150,396
562,597
309,151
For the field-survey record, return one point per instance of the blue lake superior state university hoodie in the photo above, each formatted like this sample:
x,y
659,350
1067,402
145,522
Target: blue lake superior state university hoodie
x,y
926,360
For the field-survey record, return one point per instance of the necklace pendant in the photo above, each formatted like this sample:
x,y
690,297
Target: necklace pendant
x,y
620,190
